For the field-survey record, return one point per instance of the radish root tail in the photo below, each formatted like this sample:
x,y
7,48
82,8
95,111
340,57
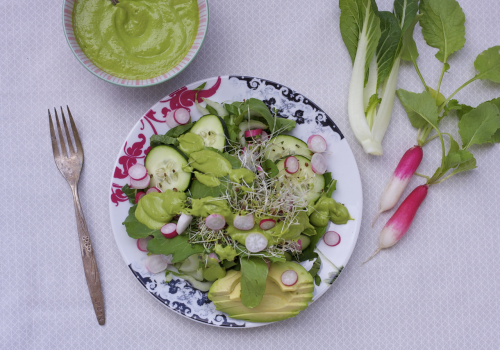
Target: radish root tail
x,y
374,253
376,217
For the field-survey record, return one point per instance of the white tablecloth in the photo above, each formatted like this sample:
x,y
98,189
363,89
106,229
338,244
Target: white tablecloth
x,y
437,289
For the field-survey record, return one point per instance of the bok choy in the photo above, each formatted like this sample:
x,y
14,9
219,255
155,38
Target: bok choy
x,y
374,40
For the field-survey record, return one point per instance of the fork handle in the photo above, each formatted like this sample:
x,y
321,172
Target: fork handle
x,y
89,262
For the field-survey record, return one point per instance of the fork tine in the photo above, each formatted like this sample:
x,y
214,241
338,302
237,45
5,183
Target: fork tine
x,y
55,149
61,138
78,144
68,137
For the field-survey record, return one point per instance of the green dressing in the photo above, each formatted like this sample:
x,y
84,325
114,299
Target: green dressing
x,y
156,209
327,209
135,39
189,143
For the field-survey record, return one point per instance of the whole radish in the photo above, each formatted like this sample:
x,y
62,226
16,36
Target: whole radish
x,y
400,221
399,179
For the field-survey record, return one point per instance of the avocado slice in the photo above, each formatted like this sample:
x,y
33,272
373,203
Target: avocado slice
x,y
279,301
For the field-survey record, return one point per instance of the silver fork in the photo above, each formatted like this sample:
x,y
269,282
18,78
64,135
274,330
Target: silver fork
x,y
70,168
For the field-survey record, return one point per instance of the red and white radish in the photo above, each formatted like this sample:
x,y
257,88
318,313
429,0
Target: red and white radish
x,y
253,133
331,238
169,119
400,221
169,230
255,242
138,196
291,165
244,222
153,189
141,184
183,222
137,172
316,143
142,243
215,222
182,116
213,256
264,136
289,278
399,179
267,224
318,163
157,263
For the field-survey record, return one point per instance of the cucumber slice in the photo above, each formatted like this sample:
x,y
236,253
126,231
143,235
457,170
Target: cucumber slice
x,y
286,145
306,183
164,164
213,130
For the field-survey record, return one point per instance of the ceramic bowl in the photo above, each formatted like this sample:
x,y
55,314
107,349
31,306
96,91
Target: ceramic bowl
x,y
67,18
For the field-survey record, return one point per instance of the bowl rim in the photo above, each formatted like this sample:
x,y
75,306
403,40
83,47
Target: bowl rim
x,y
67,23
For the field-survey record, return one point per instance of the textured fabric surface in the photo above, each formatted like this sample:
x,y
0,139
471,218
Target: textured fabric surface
x,y
437,289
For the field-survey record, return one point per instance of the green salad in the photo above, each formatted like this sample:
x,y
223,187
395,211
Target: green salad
x,y
231,204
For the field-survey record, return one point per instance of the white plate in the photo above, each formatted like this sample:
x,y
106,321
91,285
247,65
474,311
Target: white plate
x,y
179,295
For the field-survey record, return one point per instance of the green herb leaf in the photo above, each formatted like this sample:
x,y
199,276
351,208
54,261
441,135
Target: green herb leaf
x,y
443,26
235,162
284,125
487,64
479,125
201,87
270,168
308,253
157,140
330,184
389,47
460,108
456,158
409,50
130,193
253,281
211,110
405,12
466,165
315,269
134,228
421,108
199,190
179,130
358,19
179,247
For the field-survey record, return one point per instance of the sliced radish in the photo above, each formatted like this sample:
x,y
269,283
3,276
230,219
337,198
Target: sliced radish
x,y
182,116
264,136
141,184
244,223
137,172
213,256
183,223
138,196
289,277
291,165
255,242
318,163
331,238
267,224
142,243
153,189
316,143
171,123
169,230
215,222
157,263
253,133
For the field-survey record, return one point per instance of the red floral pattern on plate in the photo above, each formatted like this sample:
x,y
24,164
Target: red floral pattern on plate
x,y
117,195
181,98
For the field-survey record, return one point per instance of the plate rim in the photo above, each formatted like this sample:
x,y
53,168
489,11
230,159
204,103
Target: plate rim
x,y
198,83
